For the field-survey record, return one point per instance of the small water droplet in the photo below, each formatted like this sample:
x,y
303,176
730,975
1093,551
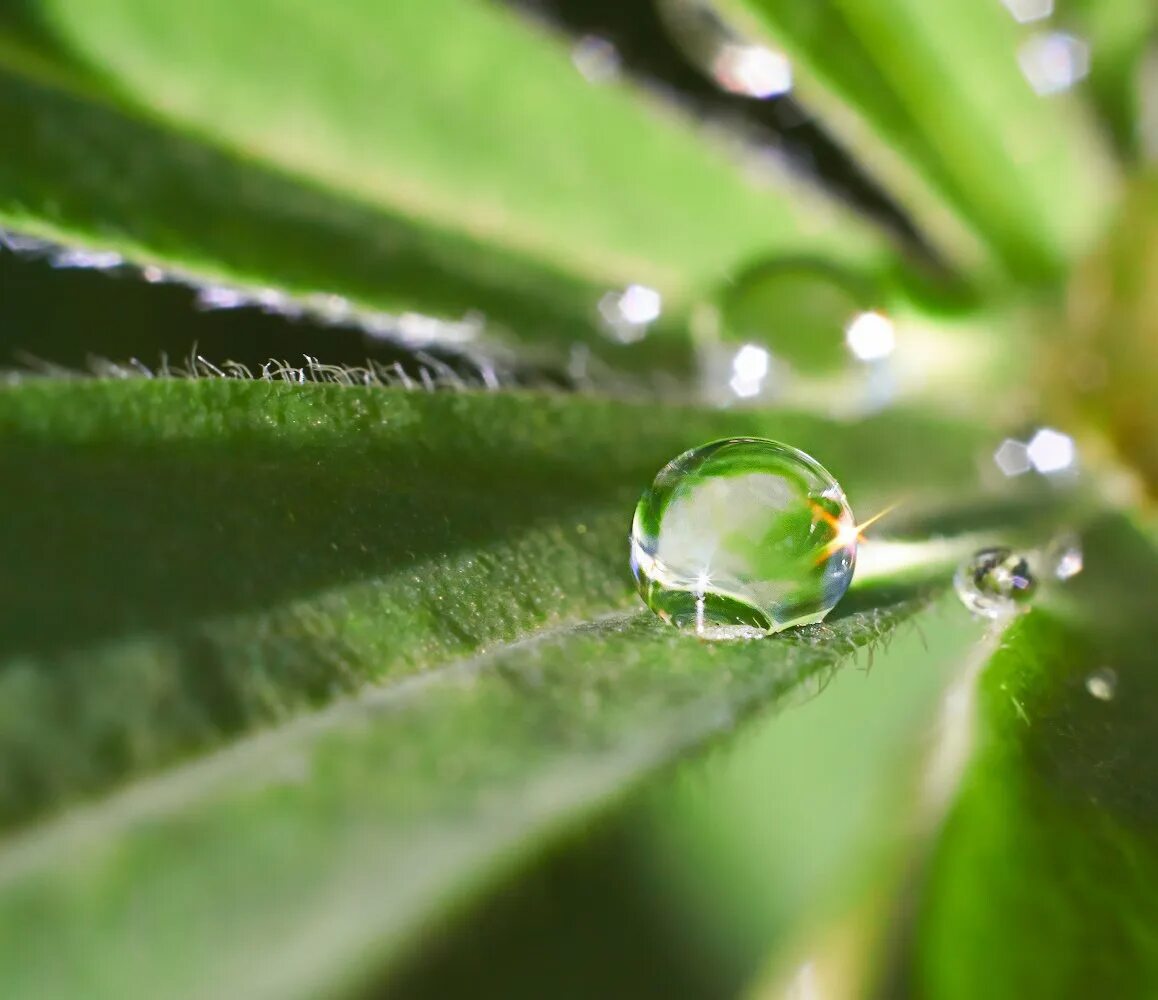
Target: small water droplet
x,y
737,64
596,59
1025,11
1103,683
994,582
1064,557
743,537
1051,451
628,314
1012,457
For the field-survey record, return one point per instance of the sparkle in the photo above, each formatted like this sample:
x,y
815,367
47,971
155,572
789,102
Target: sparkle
x,y
1012,457
1051,451
845,531
752,70
871,336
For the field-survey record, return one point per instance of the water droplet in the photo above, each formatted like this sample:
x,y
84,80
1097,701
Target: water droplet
x,y
1012,457
628,314
1064,557
993,582
735,63
1050,451
596,59
743,537
1025,11
1103,683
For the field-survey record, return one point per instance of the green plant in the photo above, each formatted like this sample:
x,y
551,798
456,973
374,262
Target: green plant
x,y
341,686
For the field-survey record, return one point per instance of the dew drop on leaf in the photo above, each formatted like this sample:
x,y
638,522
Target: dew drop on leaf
x,y
994,582
743,537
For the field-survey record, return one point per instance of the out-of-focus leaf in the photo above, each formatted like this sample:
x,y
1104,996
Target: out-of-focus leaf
x,y
1120,35
1105,367
932,98
1044,880
370,150
188,562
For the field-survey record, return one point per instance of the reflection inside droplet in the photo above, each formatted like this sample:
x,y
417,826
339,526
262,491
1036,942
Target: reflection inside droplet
x,y
1053,62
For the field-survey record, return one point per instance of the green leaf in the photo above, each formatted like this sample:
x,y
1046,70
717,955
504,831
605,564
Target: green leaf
x,y
931,98
805,812
1044,880
374,153
205,559
228,552
1121,35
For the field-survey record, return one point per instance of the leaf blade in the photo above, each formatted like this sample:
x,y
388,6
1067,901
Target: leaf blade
x,y
422,596
933,100
1047,862
491,175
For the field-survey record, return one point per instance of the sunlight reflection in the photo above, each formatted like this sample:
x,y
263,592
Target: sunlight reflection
x,y
1051,451
628,314
871,336
1025,11
1053,62
750,367
752,70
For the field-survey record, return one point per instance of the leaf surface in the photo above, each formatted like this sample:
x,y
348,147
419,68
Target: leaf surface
x,y
932,97
318,164
1042,883
420,605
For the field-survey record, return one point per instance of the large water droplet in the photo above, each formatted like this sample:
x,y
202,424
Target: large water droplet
x,y
743,537
994,582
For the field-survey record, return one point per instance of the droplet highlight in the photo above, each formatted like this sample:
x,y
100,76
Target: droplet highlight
x,y
1065,558
628,314
741,538
738,65
1103,684
995,582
